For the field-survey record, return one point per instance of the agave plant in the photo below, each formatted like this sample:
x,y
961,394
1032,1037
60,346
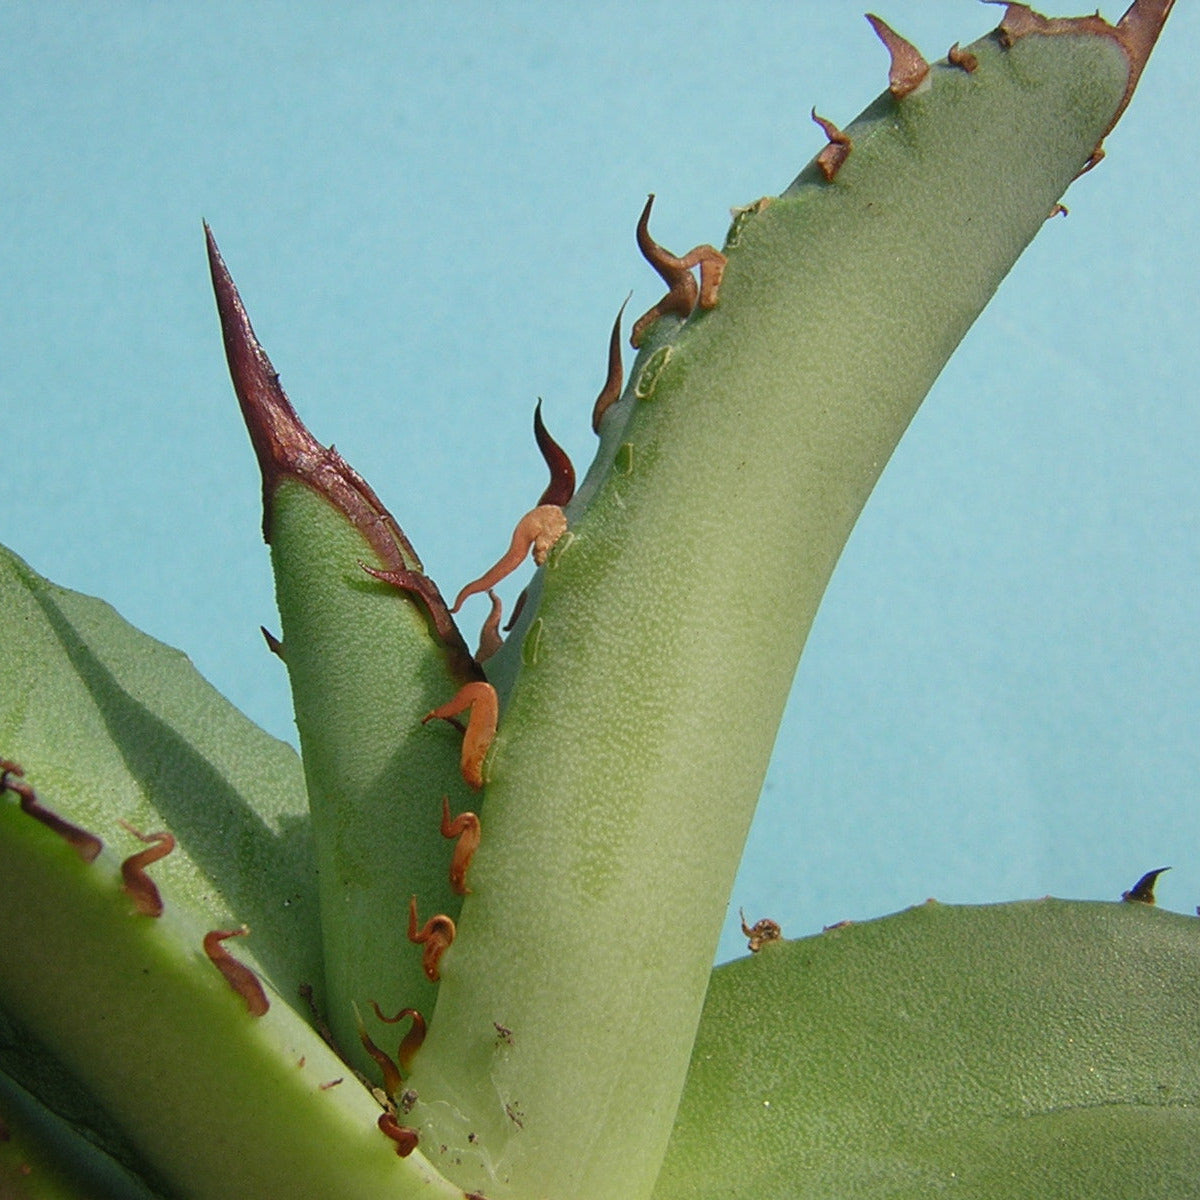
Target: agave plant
x,y
461,944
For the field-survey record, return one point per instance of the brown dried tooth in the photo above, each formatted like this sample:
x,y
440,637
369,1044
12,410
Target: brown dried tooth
x,y
237,975
435,935
958,57
516,612
481,699
274,644
140,888
537,531
1142,892
684,294
489,636
413,1039
562,474
287,450
610,393
830,159
760,933
405,1137
12,778
908,69
465,827
392,1079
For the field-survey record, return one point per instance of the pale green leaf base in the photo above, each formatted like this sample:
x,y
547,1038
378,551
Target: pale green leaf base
x,y
1043,1049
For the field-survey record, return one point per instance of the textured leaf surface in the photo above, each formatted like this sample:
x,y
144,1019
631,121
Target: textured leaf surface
x,y
1042,1049
111,725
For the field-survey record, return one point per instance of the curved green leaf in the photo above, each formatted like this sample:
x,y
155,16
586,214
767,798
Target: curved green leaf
x,y
1038,1050
218,1101
115,726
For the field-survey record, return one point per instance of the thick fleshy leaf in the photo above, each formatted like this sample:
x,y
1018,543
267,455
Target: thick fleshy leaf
x,y
191,1059
1042,1049
111,725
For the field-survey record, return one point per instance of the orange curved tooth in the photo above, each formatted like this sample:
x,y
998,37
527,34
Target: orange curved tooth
x,y
537,530
465,827
484,704
237,975
140,888
435,935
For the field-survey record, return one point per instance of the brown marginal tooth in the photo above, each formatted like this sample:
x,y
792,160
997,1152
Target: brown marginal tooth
x,y
956,56
392,1079
436,935
516,612
610,393
830,159
237,975
12,778
405,1137
489,636
683,293
413,1039
140,888
562,473
274,644
908,69
1142,892
465,827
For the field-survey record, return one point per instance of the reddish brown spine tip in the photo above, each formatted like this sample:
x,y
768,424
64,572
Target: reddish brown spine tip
x,y
956,56
237,975
413,1039
140,888
830,159
283,445
465,827
1142,892
273,643
610,393
436,935
908,68
405,1137
1136,33
12,778
562,473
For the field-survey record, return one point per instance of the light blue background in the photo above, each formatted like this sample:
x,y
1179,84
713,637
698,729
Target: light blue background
x,y
429,210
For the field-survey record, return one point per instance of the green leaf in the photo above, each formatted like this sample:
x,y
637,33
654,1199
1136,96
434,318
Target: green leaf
x,y
111,725
367,660
1039,1049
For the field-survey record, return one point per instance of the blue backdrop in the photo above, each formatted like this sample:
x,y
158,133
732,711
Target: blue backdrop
x,y
429,209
